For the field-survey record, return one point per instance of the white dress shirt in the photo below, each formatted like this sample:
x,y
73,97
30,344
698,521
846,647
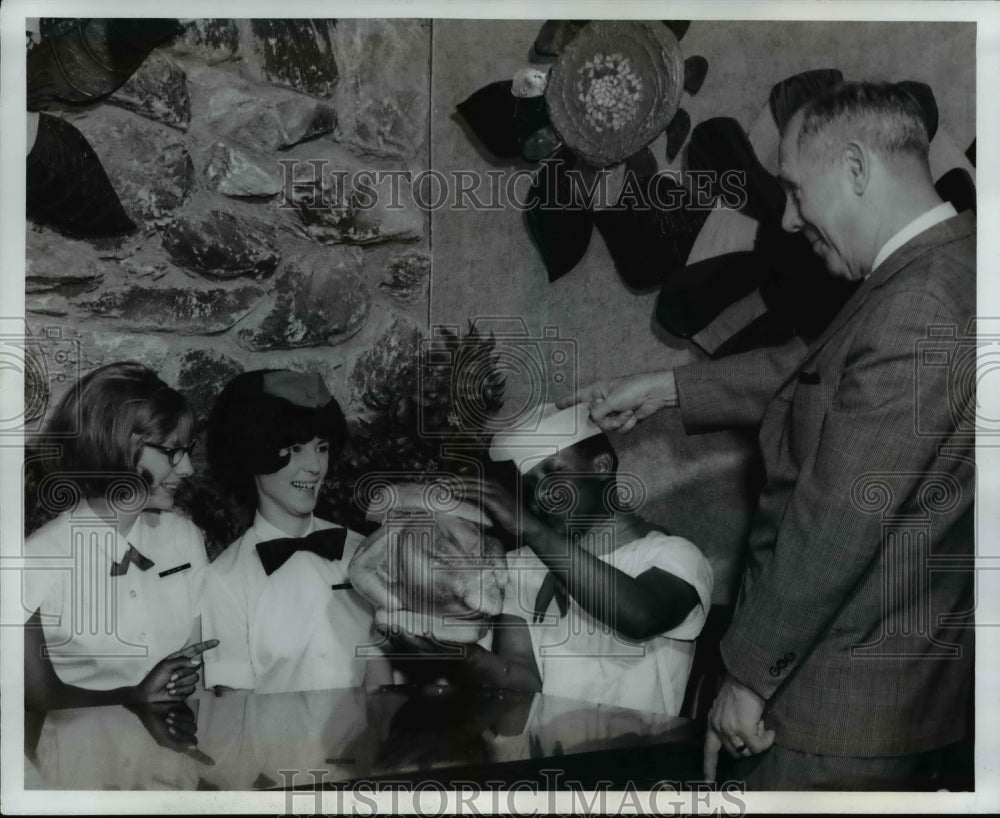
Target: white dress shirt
x,y
943,211
102,631
300,628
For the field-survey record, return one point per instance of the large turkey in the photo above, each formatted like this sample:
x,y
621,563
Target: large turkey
x,y
431,568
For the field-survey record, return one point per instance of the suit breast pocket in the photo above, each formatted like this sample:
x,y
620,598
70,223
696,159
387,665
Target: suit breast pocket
x,y
810,404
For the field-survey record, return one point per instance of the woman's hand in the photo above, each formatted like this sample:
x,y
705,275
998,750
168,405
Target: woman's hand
x,y
173,677
173,725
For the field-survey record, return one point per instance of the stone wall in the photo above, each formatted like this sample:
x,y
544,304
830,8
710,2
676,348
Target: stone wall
x,y
231,268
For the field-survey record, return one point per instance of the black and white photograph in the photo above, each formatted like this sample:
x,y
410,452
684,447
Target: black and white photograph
x,y
465,408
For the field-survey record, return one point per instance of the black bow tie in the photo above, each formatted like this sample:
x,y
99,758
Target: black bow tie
x,y
328,543
120,568
552,586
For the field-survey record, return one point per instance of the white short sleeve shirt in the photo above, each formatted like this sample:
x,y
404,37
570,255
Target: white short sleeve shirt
x,y
102,631
301,628
582,658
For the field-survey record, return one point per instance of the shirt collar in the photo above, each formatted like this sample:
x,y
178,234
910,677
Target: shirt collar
x,y
943,211
266,531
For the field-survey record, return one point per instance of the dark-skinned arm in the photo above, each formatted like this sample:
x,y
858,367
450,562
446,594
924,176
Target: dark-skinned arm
x,y
172,679
636,607
509,666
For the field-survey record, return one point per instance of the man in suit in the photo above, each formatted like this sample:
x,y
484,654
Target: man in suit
x,y
849,659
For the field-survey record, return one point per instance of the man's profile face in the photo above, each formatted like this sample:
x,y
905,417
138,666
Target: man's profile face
x,y
816,201
563,486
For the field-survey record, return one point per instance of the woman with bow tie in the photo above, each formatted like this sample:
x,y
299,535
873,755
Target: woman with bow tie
x,y
278,598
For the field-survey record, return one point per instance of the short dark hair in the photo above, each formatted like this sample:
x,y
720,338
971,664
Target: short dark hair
x,y
248,428
884,116
100,424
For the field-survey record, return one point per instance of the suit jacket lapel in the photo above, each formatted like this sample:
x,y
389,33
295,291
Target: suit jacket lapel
x,y
941,233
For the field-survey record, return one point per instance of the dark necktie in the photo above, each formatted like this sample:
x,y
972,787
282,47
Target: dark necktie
x,y
552,586
328,544
119,569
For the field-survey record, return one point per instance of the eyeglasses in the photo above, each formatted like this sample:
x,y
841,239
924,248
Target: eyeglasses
x,y
175,454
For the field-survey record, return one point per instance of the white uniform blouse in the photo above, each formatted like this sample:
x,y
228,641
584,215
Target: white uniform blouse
x,y
582,658
301,628
102,631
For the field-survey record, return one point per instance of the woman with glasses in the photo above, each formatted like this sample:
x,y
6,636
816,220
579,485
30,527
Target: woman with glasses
x,y
112,584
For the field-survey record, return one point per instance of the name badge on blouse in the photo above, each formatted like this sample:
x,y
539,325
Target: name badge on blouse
x,y
175,570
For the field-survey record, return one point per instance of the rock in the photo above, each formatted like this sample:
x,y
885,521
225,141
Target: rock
x,y
60,266
296,53
340,200
157,91
180,310
210,40
407,278
148,164
258,117
221,244
384,103
320,299
387,370
234,171
203,374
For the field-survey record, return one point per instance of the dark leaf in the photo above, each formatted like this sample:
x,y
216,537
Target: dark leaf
x,y
649,232
642,163
924,96
957,187
555,35
67,186
679,27
560,227
695,69
720,145
491,115
92,58
692,296
677,132
788,95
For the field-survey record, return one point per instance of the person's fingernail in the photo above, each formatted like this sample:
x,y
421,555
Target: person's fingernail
x,y
170,685
172,730
173,677
195,662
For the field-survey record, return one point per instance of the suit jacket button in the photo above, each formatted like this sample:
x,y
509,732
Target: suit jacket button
x,y
774,671
781,663
790,656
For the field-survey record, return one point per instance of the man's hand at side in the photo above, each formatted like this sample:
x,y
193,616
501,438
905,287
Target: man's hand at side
x,y
736,723
617,404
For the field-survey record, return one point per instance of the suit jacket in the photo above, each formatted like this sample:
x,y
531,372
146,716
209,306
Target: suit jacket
x,y
854,617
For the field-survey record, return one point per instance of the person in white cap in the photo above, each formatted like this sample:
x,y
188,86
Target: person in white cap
x,y
279,598
613,604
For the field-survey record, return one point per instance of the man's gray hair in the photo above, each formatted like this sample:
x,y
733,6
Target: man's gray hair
x,y
884,117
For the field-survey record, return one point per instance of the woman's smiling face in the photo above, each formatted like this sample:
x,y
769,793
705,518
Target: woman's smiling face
x,y
164,479
292,491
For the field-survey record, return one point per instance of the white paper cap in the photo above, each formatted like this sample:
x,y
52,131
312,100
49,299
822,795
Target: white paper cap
x,y
542,436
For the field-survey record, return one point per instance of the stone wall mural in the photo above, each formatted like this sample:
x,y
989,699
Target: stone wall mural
x,y
221,148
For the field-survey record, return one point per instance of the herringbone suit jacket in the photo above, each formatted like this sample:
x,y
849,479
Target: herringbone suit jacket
x,y
854,616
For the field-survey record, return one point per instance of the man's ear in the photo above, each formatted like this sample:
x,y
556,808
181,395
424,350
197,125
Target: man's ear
x,y
857,164
604,463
